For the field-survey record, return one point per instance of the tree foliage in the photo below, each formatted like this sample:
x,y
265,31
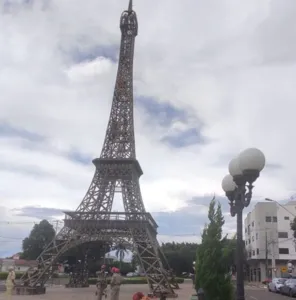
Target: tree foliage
x,y
213,258
229,249
179,256
40,236
43,233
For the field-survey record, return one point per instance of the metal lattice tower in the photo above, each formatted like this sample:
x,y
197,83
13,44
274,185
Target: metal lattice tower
x,y
117,170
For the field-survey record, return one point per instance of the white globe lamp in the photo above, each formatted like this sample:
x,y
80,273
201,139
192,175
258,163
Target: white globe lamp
x,y
228,185
251,159
234,167
251,162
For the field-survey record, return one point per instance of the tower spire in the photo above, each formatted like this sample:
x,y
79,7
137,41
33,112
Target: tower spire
x,y
130,5
120,138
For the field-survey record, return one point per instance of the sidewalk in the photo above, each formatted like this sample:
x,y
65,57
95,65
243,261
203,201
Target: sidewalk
x,y
255,284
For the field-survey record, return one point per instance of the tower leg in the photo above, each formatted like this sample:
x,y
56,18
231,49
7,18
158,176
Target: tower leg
x,y
35,278
145,241
147,249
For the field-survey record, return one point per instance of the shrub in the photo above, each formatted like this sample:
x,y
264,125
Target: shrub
x,y
126,280
131,280
18,275
3,275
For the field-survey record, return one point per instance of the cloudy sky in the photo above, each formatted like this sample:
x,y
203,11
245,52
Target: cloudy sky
x,y
211,78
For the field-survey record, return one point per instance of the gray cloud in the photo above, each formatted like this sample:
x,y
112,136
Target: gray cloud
x,y
38,212
217,88
275,36
273,166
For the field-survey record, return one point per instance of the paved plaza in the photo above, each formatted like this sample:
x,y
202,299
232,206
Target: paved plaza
x,y
253,292
127,290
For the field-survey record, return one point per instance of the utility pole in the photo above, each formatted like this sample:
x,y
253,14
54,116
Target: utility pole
x,y
272,242
273,265
56,222
266,254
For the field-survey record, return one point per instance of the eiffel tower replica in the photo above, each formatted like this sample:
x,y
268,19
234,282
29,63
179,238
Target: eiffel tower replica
x,y
117,171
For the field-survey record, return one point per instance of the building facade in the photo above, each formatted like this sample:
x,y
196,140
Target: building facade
x,y
269,240
19,265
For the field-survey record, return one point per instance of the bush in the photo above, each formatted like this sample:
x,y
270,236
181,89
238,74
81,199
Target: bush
x,y
126,280
3,275
18,275
131,280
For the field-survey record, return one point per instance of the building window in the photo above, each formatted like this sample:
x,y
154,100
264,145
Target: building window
x,y
257,236
246,230
253,224
274,219
286,218
253,252
246,242
267,219
283,235
252,238
283,250
257,251
249,241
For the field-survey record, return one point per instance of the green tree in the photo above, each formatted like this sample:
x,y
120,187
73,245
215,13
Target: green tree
x,y
179,256
212,267
229,249
40,236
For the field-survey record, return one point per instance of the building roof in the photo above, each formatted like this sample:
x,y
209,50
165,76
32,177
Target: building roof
x,y
24,262
19,262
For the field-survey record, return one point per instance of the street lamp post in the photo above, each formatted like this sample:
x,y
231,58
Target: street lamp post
x,y
238,186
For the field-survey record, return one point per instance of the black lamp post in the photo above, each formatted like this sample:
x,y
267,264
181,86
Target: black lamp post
x,y
238,186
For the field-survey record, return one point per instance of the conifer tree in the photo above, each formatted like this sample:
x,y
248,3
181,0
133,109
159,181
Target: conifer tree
x,y
212,273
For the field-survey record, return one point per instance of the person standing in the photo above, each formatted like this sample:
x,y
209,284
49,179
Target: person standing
x,y
101,283
173,280
10,282
138,296
115,284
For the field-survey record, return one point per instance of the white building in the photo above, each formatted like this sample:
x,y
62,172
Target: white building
x,y
269,239
20,265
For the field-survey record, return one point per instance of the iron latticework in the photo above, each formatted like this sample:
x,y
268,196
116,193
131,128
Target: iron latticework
x,y
117,170
79,273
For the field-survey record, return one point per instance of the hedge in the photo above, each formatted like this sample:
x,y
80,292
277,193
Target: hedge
x,y
18,275
127,280
132,280
3,275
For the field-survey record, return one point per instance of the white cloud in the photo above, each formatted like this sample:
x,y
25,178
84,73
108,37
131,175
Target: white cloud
x,y
229,64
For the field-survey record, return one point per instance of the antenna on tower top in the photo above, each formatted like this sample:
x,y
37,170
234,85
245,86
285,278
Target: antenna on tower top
x,y
130,5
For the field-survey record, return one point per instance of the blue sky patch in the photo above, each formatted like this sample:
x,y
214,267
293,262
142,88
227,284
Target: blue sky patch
x,y
79,157
9,131
165,115
163,112
79,55
191,136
